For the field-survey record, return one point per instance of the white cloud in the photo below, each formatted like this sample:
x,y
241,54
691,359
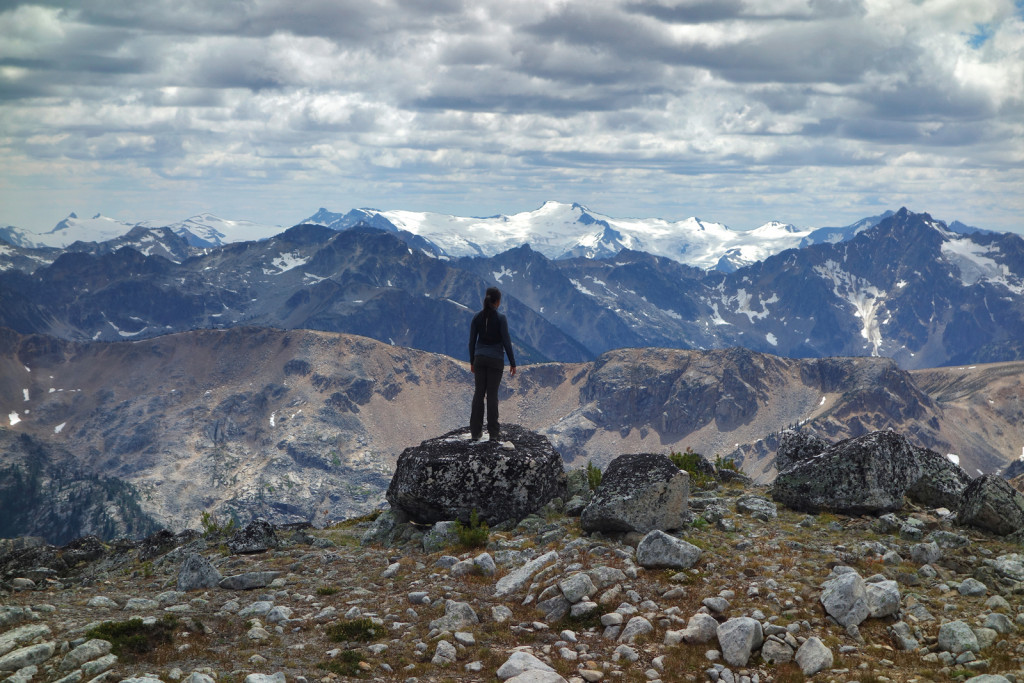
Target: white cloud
x,y
739,112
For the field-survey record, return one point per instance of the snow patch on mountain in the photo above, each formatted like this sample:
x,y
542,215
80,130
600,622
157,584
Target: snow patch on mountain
x,y
976,263
866,299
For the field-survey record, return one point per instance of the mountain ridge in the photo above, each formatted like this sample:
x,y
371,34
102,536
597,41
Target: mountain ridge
x,y
218,420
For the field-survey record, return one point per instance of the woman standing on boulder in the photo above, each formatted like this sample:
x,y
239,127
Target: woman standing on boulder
x,y
488,344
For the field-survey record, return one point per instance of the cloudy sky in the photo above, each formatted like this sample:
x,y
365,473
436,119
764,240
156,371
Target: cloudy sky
x,y
814,112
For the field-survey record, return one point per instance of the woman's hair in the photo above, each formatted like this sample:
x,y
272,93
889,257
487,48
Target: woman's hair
x,y
491,297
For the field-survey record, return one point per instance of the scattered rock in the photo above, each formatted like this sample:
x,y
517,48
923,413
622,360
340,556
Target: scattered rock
x,y
989,503
196,572
660,550
813,656
845,598
255,537
738,638
639,492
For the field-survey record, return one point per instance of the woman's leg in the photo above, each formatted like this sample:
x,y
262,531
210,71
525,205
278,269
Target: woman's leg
x,y
494,369
476,416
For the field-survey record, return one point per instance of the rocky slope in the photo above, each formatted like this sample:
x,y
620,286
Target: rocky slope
x,y
321,607
300,425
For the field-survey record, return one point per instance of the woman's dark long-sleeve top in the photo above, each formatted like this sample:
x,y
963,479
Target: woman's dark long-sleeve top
x,y
477,346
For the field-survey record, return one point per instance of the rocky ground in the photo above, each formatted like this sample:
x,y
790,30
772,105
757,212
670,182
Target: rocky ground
x,y
320,606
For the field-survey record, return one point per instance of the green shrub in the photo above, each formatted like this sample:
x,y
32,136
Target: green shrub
x,y
723,464
347,664
689,461
211,527
361,630
132,638
593,476
475,535
327,590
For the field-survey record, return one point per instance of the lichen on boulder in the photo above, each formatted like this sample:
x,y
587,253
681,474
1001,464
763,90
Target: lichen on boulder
x,y
447,477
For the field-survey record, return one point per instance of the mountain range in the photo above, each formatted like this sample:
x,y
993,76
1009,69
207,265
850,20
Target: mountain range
x,y
301,425
907,287
556,230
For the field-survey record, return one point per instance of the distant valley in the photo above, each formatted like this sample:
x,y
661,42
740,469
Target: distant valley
x,y
303,425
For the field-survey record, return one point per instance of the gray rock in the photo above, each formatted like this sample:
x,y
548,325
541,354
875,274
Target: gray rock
x,y
776,651
1000,623
887,523
457,616
941,483
27,656
196,572
535,676
757,507
103,601
484,564
278,614
520,662
865,475
98,666
248,581
605,576
903,637
255,537
988,678
196,677
555,608
382,530
845,599
973,588
577,587
440,536
947,539
583,609
140,604
813,656
660,550
738,638
925,553
635,627
86,652
278,677
445,654
883,598
986,637
796,447
989,503
957,637
516,580
639,492
447,477
701,628
20,636
256,609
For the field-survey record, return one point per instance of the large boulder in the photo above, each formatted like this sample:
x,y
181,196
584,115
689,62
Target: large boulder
x,y
866,475
639,492
447,477
942,482
991,504
797,447
255,537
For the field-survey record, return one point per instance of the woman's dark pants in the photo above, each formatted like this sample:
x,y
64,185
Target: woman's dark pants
x,y
488,373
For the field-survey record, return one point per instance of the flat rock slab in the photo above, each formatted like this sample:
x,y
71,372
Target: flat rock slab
x,y
248,581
